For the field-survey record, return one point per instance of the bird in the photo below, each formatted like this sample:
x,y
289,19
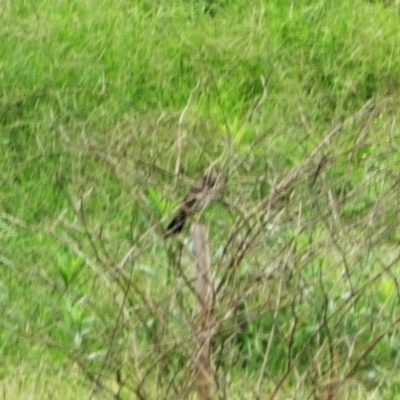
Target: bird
x,y
198,198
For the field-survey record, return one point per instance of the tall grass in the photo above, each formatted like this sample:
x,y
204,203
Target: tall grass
x,y
110,111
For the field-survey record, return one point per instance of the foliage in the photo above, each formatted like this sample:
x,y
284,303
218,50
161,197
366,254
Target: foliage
x,y
110,111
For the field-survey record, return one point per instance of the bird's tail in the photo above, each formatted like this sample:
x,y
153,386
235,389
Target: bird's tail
x,y
177,224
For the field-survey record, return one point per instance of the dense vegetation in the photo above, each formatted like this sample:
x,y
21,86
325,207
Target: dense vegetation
x,y
111,110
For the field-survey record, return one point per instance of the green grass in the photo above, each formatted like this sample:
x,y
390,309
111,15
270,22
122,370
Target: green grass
x,y
101,103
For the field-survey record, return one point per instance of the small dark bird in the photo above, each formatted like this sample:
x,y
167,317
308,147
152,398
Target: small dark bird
x,y
198,198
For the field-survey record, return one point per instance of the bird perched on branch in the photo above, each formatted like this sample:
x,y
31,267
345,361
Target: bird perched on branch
x,y
198,198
